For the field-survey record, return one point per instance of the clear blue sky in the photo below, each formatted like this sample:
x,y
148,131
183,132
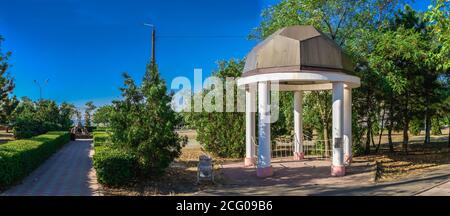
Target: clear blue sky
x,y
84,46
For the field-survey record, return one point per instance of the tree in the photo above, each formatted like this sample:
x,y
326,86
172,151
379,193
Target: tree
x,y
6,111
66,111
221,133
352,25
102,115
89,108
79,118
24,123
403,57
33,118
438,22
47,113
6,81
144,123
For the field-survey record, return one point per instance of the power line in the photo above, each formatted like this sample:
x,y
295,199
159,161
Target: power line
x,y
203,36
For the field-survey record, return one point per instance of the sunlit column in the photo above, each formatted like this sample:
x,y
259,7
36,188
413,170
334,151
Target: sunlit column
x,y
298,126
337,166
347,126
250,126
264,167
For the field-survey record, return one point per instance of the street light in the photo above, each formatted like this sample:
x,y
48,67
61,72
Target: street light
x,y
41,87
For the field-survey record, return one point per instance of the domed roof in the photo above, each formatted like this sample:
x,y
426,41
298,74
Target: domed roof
x,y
296,49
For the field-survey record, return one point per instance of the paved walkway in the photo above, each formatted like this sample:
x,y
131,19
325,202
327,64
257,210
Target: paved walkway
x,y
300,179
442,189
68,172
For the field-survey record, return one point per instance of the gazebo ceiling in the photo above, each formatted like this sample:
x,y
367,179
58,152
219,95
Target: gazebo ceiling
x,y
297,49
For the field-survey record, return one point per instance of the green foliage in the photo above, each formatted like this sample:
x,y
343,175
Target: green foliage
x,y
34,118
416,126
101,138
438,20
19,158
436,126
114,167
66,111
144,123
6,81
102,116
90,107
6,110
221,133
401,55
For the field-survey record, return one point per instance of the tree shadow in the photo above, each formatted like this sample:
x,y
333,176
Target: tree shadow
x,y
286,180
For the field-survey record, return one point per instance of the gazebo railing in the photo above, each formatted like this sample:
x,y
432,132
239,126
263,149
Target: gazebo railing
x,y
283,148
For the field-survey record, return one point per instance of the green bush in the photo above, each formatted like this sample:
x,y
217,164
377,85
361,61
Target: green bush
x,y
415,126
222,133
19,158
101,129
144,123
114,167
34,118
101,138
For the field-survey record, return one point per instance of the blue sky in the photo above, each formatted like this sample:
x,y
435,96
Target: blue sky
x,y
84,46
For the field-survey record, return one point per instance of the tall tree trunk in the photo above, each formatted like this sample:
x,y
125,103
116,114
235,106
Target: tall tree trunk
x,y
406,123
448,141
369,124
405,136
427,127
448,125
391,123
391,144
381,130
405,133
368,136
372,138
325,138
427,121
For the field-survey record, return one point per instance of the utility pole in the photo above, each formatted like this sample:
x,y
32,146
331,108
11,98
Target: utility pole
x,y
40,87
152,59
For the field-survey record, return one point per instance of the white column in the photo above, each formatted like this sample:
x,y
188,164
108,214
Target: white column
x,y
298,125
347,126
337,166
250,109
264,167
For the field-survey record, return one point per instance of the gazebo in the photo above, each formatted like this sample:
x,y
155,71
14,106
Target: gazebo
x,y
298,59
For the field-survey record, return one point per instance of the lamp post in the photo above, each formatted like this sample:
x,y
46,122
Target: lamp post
x,y
41,87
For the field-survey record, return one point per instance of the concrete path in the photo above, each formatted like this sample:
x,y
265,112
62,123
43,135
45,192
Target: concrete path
x,y
68,172
308,182
442,189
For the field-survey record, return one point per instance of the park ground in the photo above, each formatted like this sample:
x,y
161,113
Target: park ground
x,y
424,171
377,174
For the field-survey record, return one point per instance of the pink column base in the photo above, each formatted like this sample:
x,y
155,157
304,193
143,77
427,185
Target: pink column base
x,y
264,172
348,159
299,155
337,171
249,162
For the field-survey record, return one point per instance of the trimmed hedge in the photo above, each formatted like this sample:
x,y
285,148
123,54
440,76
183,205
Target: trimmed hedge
x,y
114,167
101,138
19,158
